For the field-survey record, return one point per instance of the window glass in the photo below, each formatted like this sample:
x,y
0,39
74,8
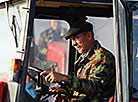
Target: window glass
x,y
135,52
48,50
103,31
51,47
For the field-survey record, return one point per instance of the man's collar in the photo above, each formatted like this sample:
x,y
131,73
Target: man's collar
x,y
96,45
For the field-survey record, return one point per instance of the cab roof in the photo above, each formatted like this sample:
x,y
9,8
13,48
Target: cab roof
x,y
67,9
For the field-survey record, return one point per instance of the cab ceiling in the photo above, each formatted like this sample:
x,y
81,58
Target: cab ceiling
x,y
65,10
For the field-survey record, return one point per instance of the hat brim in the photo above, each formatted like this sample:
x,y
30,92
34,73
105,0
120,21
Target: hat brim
x,y
71,32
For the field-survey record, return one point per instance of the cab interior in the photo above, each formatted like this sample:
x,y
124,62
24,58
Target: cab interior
x,y
99,12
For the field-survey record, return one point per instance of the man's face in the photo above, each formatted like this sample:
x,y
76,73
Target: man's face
x,y
54,24
81,43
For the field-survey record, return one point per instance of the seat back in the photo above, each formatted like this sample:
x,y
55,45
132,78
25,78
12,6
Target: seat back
x,y
111,99
3,91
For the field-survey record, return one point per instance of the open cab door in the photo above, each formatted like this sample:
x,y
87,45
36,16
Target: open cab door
x,y
125,13
122,85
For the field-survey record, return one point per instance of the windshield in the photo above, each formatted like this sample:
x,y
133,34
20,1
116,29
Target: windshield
x,y
49,46
48,50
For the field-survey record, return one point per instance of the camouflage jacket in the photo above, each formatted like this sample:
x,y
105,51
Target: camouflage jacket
x,y
51,35
94,80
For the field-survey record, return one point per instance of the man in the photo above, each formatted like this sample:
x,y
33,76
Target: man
x,y
94,80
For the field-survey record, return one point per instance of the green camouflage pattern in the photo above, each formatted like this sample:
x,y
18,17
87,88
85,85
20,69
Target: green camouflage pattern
x,y
94,79
51,35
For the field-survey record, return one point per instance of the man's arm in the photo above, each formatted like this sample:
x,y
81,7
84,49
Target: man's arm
x,y
51,76
104,77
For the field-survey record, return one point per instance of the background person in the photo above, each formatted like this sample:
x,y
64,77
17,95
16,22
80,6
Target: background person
x,y
94,78
55,33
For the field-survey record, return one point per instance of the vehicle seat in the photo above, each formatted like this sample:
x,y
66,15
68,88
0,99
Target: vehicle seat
x,y
3,92
111,99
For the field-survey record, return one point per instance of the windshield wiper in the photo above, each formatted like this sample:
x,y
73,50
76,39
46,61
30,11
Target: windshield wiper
x,y
13,28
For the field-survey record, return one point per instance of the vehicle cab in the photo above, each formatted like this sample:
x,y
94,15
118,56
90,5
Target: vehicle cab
x,y
44,48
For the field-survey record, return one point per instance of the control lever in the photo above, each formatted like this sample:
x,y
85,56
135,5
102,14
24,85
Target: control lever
x,y
44,89
40,81
40,78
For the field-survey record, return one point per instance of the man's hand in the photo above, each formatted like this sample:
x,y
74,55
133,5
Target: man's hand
x,y
57,89
59,97
51,76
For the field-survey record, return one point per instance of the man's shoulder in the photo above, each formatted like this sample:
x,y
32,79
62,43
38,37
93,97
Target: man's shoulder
x,y
46,32
100,52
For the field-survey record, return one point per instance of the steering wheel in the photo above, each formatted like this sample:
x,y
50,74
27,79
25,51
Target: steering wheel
x,y
43,89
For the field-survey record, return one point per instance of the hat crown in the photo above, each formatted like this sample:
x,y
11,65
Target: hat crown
x,y
83,25
77,28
